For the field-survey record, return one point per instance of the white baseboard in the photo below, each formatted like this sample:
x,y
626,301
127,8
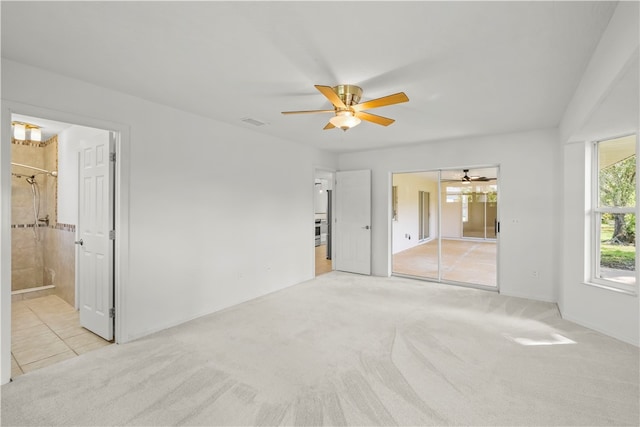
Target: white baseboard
x,y
533,297
614,334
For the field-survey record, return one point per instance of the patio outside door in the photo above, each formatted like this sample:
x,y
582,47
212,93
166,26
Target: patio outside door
x,y
481,214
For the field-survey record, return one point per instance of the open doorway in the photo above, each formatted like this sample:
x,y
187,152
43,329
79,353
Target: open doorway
x,y
45,212
445,226
323,217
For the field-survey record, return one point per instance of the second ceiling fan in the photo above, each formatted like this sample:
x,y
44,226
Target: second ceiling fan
x,y
466,179
348,113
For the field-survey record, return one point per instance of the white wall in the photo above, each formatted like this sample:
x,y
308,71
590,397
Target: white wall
x,y
451,226
607,311
69,141
616,48
217,214
528,191
600,108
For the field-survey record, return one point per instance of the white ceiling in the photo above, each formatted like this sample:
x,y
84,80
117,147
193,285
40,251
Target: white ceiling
x,y
469,68
619,111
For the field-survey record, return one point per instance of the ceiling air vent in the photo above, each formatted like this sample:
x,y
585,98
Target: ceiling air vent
x,y
253,121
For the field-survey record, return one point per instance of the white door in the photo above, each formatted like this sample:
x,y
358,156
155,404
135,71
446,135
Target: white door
x,y
95,246
353,222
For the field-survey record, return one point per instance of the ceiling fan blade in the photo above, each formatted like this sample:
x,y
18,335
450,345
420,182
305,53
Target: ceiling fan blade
x,y
333,97
309,112
329,126
396,98
379,120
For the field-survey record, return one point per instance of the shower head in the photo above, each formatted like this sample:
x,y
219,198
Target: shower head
x,y
53,173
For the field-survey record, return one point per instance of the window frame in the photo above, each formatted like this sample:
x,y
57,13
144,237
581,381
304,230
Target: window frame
x,y
596,213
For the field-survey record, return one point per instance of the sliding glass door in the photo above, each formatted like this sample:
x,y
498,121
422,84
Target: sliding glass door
x,y
480,213
415,224
444,226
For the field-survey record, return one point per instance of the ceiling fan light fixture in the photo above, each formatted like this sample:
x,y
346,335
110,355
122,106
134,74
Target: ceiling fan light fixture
x,y
344,120
348,110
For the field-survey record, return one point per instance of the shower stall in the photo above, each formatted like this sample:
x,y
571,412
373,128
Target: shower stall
x,y
33,210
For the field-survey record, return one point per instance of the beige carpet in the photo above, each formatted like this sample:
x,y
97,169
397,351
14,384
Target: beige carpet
x,y
347,350
464,261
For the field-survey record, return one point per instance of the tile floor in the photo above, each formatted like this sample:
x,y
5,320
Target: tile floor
x,y
464,261
47,330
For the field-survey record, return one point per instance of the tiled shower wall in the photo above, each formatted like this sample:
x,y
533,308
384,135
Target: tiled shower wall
x,y
27,255
50,259
59,261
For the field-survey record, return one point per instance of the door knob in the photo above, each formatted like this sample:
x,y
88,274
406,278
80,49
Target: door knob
x,y
79,242
366,227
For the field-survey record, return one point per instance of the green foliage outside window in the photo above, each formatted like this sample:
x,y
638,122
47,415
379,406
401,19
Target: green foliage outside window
x,y
618,230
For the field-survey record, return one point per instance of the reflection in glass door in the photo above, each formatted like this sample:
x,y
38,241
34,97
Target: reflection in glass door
x,y
415,224
456,231
480,213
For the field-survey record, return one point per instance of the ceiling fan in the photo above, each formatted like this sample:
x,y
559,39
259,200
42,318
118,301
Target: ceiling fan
x,y
348,113
467,179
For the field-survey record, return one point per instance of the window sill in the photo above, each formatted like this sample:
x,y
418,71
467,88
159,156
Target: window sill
x,y
612,288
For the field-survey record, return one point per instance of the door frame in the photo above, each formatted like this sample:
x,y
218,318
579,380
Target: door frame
x,y
121,217
439,227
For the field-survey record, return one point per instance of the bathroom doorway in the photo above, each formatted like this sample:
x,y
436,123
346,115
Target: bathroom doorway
x,y
323,218
445,226
46,323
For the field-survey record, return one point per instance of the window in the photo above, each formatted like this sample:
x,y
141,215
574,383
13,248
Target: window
x,y
453,194
614,213
465,207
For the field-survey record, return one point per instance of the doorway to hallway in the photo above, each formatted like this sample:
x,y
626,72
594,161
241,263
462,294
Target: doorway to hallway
x,y
323,217
445,226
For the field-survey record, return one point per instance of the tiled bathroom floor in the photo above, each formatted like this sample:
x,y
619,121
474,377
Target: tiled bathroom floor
x,y
45,331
